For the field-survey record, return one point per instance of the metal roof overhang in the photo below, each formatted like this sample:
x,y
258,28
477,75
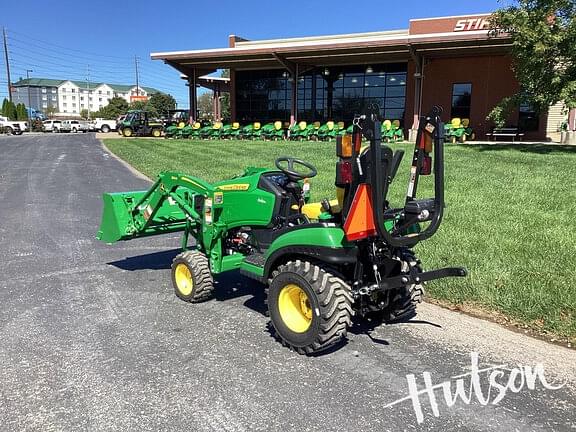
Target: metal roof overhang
x,y
386,50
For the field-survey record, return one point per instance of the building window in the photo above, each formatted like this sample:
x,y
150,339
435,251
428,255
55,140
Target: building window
x,y
81,98
43,89
100,99
54,90
461,99
108,93
44,97
64,105
64,97
44,105
99,92
53,97
73,97
63,89
81,105
528,118
73,90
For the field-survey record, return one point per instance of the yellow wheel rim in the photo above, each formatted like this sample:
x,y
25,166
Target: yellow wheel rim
x,y
183,278
294,308
127,132
156,133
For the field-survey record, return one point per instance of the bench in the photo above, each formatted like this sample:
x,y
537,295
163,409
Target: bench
x,y
506,132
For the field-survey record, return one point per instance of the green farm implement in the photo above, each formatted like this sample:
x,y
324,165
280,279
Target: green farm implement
x,y
321,263
139,123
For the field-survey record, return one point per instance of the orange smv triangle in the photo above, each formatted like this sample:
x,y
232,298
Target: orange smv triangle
x,y
360,221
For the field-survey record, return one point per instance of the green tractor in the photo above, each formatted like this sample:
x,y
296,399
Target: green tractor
x,y
321,263
139,123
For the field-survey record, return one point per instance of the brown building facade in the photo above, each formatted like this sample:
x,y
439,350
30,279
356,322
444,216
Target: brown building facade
x,y
449,61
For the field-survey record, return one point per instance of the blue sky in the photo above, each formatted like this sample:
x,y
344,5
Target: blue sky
x,y
66,39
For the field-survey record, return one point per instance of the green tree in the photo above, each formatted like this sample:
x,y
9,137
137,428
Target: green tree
x,y
138,105
161,103
116,107
225,98
50,111
4,104
84,113
205,107
21,112
10,111
543,34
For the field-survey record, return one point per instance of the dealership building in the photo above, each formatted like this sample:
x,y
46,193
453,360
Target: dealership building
x,y
450,61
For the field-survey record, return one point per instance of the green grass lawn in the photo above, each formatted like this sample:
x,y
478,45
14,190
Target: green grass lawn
x,y
510,216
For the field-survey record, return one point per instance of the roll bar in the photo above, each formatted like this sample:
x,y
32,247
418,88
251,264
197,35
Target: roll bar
x,y
430,124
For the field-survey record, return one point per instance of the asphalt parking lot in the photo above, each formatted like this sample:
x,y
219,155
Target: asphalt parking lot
x,y
94,339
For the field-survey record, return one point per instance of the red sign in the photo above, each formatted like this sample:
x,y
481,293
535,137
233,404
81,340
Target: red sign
x,y
471,24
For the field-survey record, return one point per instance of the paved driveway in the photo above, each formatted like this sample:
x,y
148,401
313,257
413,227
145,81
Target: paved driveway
x,y
92,337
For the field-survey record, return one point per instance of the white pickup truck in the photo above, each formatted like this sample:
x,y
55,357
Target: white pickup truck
x,y
103,125
12,127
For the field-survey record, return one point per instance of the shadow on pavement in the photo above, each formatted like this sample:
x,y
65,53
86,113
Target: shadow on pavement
x,y
152,261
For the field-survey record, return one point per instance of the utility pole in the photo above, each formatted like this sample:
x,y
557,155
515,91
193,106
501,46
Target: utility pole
x,y
137,77
29,111
88,88
7,65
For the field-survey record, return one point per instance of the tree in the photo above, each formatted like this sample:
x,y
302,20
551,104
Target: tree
x,y
205,106
50,111
84,113
4,103
138,105
10,111
543,34
21,112
161,103
116,107
225,98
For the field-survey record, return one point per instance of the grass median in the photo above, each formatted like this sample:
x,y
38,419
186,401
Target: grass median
x,y
510,216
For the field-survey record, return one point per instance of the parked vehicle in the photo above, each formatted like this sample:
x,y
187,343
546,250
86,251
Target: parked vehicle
x,y
139,123
12,127
103,125
52,125
74,126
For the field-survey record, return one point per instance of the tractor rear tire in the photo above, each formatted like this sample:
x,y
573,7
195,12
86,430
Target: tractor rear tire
x,y
310,308
403,301
156,133
191,277
127,132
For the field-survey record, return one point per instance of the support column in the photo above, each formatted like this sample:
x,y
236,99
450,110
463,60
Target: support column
x,y
233,95
572,120
192,96
418,87
294,108
216,108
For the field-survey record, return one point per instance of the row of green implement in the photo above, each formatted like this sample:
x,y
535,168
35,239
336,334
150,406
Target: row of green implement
x,y
301,131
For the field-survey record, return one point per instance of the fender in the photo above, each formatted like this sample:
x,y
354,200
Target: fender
x,y
327,244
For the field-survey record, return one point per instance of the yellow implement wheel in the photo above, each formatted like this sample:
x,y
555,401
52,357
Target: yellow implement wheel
x,y
127,132
191,276
156,133
310,308
294,307
183,279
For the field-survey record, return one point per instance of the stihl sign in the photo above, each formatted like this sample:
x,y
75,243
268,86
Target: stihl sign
x,y
471,24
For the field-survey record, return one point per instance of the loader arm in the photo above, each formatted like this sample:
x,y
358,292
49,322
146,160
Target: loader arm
x,y
172,204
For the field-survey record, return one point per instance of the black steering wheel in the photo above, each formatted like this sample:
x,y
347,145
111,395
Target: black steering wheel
x,y
291,172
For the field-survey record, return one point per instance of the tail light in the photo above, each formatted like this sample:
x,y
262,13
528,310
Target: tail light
x,y
343,173
426,165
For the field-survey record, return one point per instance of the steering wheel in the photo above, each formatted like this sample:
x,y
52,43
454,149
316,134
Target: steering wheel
x,y
292,173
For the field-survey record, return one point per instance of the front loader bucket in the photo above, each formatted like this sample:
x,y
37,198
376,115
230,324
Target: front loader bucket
x,y
117,221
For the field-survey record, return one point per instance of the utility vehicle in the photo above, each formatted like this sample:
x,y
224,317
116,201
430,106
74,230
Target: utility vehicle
x,y
321,263
139,123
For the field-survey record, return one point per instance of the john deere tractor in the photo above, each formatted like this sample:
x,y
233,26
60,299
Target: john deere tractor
x,y
139,123
322,263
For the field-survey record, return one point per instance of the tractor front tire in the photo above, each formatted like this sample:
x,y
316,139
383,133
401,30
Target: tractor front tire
x,y
310,308
156,133
127,132
191,277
